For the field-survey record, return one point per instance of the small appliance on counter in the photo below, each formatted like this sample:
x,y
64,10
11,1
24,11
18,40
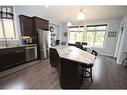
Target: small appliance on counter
x,y
26,40
58,42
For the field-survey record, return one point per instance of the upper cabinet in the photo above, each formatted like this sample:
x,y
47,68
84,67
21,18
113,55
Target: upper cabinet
x,y
26,25
40,23
29,26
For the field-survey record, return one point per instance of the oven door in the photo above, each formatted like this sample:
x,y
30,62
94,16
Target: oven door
x,y
31,53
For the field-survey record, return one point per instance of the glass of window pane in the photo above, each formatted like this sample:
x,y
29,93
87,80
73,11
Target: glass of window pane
x,y
3,11
90,28
101,28
1,30
72,37
79,36
99,39
73,29
9,28
81,29
9,10
90,38
77,28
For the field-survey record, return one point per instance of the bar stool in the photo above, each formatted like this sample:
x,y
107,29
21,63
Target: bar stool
x,y
124,60
79,45
84,44
87,68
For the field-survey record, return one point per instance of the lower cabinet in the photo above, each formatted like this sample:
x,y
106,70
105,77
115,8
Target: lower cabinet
x,y
19,55
11,57
54,57
70,72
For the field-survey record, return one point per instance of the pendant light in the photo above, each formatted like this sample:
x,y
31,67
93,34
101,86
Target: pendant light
x,y
81,15
69,24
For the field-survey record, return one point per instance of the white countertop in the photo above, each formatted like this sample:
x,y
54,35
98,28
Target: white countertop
x,y
4,47
75,54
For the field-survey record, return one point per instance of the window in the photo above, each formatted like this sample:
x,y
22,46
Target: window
x,y
1,30
6,23
76,34
7,29
95,35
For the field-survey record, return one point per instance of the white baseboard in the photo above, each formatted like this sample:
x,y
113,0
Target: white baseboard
x,y
107,55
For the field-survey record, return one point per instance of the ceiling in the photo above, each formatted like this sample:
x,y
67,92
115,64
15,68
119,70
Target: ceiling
x,y
63,14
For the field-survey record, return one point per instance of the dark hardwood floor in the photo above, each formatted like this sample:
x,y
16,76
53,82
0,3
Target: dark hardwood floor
x,y
106,75
37,76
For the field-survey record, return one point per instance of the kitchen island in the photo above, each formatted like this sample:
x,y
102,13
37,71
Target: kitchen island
x,y
68,60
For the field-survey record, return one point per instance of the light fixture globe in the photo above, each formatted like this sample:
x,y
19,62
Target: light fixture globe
x,y
81,15
69,24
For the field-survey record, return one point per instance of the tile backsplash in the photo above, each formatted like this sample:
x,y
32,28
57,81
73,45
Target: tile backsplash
x,y
10,42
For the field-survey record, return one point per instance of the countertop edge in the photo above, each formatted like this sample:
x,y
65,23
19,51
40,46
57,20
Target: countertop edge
x,y
28,45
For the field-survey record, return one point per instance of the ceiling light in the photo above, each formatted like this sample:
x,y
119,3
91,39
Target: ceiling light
x,y
69,24
81,15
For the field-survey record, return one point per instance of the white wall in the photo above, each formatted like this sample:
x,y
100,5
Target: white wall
x,y
110,42
56,31
122,47
64,28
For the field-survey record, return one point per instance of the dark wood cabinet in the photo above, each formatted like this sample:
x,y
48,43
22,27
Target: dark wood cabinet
x,y
40,23
70,72
29,26
6,58
26,25
54,57
10,57
19,55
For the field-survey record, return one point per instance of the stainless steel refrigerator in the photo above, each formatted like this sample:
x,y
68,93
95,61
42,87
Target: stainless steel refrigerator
x,y
44,38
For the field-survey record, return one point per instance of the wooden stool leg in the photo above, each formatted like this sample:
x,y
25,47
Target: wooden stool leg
x,y
122,62
91,74
85,71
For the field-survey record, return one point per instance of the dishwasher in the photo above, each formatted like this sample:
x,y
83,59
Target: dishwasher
x,y
31,53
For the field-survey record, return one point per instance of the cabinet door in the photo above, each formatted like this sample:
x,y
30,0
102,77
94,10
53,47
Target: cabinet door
x,y
11,57
26,25
7,59
54,58
20,55
41,23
